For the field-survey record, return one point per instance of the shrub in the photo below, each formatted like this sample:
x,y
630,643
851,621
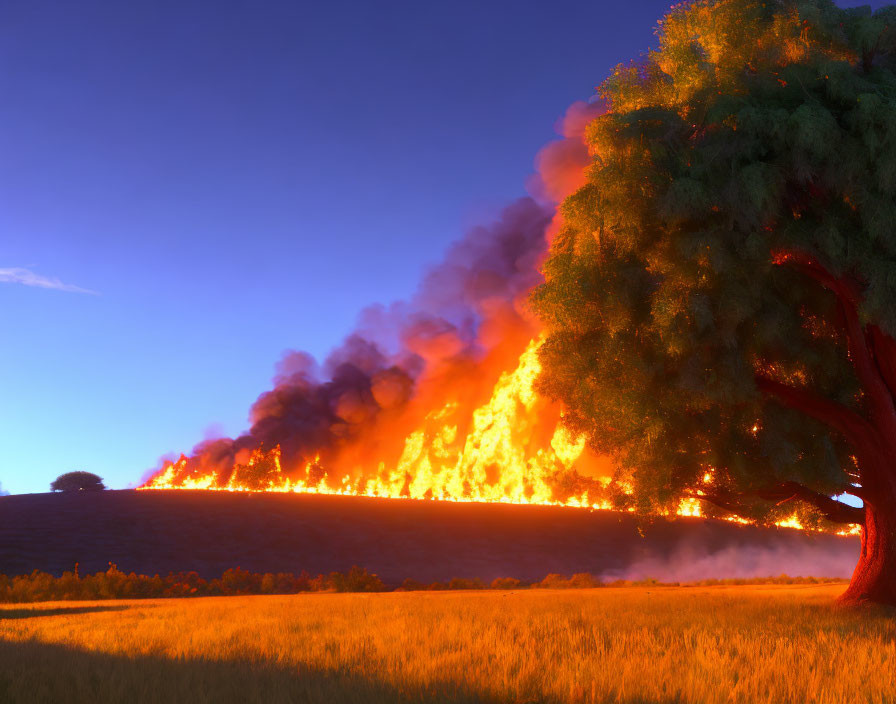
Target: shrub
x,y
77,481
581,580
506,583
412,585
462,583
358,579
115,584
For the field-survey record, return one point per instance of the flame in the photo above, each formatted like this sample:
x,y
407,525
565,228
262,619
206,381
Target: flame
x,y
791,522
499,460
505,457
690,507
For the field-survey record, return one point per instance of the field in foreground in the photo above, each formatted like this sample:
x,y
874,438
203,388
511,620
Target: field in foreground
x,y
716,644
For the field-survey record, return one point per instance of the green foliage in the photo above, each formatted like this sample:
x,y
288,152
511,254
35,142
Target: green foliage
x,y
757,127
77,481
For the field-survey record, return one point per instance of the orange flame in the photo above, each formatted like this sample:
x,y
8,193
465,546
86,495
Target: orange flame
x,y
506,457
501,459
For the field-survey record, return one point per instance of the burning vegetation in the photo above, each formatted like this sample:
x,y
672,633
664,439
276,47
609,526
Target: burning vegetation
x,y
451,413
510,449
665,368
513,448
432,398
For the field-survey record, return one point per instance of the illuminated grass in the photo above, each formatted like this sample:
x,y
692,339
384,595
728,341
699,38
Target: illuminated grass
x,y
719,644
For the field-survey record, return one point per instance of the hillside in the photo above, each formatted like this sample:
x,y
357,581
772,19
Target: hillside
x,y
208,532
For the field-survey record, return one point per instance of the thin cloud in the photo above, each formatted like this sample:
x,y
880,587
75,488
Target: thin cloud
x,y
26,277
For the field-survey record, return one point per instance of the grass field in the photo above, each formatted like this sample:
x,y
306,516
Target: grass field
x,y
715,644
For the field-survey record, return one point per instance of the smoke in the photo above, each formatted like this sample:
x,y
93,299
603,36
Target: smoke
x,y
561,164
409,354
451,339
2,491
694,561
437,356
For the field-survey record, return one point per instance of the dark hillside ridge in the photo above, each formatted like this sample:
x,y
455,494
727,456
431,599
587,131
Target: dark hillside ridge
x,y
151,532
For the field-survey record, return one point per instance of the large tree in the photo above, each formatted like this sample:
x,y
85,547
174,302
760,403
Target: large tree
x,y
720,299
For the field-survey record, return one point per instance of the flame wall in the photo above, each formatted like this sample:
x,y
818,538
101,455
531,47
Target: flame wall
x,y
432,397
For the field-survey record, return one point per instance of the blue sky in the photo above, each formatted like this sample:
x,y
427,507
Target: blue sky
x,y
186,192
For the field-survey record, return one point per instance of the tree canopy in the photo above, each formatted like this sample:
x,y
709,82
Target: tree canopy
x,y
77,481
718,301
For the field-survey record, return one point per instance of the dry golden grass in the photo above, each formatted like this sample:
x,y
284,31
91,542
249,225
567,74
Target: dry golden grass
x,y
717,644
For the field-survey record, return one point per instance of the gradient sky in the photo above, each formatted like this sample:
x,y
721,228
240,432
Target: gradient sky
x,y
188,188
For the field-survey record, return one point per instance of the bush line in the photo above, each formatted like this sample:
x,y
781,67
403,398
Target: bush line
x,y
115,584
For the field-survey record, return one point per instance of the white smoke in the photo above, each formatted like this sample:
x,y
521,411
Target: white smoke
x,y
693,562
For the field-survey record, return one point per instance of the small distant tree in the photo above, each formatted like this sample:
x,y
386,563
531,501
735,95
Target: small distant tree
x,y
357,579
77,481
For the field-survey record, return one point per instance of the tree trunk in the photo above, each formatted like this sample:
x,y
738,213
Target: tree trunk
x,y
874,579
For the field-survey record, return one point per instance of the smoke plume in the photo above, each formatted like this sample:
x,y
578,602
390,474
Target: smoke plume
x,y
448,343
468,308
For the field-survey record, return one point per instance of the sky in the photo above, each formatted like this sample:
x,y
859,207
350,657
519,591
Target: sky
x,y
188,189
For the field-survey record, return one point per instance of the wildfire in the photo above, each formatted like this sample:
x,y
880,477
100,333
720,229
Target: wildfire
x,y
507,456
502,458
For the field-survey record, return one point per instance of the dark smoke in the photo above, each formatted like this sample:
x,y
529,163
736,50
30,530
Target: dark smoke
x,y
467,308
467,305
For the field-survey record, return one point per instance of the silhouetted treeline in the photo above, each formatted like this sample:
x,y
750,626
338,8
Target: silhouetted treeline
x,y
115,584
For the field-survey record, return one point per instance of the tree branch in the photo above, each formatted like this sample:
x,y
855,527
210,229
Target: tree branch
x,y
833,510
857,491
845,289
849,297
879,396
884,349
726,503
850,424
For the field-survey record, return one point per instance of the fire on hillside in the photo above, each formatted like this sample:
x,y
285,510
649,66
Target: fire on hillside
x,y
514,450
435,398
511,449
